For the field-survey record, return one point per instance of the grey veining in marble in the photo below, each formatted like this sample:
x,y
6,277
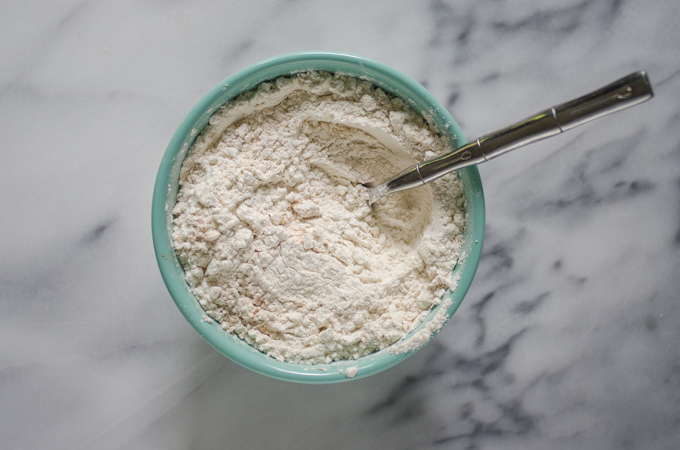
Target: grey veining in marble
x,y
568,338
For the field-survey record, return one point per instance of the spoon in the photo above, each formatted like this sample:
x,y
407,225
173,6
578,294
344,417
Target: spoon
x,y
621,94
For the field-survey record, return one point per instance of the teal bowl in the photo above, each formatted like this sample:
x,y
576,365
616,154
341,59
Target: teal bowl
x,y
166,187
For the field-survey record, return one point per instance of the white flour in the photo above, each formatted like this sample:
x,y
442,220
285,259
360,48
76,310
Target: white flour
x,y
275,234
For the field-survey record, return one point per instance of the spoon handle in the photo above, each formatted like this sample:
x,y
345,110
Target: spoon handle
x,y
626,92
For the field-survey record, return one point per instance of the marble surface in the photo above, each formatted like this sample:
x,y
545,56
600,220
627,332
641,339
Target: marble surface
x,y
568,338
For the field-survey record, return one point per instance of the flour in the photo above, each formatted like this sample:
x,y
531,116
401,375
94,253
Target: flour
x,y
351,372
274,231
422,336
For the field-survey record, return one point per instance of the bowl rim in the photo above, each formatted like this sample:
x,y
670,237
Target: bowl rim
x,y
165,191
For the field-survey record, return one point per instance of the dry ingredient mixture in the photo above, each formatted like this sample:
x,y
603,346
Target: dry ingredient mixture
x,y
274,232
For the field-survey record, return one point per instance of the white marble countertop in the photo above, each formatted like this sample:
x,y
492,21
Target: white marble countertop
x,y
568,338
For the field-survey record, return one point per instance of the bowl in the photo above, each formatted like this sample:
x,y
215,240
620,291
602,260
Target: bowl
x,y
166,187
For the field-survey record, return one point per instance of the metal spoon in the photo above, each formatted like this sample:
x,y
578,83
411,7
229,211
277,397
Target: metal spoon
x,y
621,94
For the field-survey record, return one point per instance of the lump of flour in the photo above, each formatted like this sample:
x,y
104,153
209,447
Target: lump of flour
x,y
274,231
